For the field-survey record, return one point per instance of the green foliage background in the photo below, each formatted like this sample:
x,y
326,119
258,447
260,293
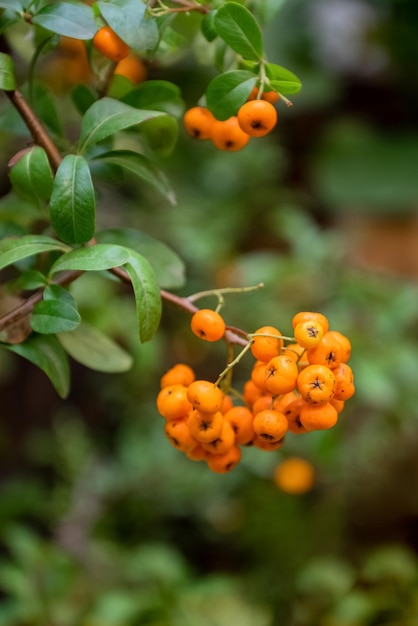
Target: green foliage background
x,y
101,521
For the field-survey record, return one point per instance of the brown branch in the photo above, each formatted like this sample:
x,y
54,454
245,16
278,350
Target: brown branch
x,y
38,132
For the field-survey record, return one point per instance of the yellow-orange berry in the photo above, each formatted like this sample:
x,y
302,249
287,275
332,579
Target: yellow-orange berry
x,y
309,333
265,445
328,352
228,135
198,122
281,375
257,117
133,68
223,442
241,420
270,425
344,389
266,343
304,316
316,384
179,435
318,416
223,463
205,396
172,402
294,475
208,325
179,374
205,427
108,43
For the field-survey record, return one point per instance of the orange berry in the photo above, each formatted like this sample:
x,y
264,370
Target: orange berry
x,y
316,384
344,389
266,343
108,43
241,420
258,375
318,416
172,402
179,374
223,463
223,442
205,427
205,396
227,404
328,352
267,446
270,425
251,392
208,325
253,93
265,402
294,475
198,453
270,96
309,333
344,343
198,122
179,435
304,316
257,117
281,375
291,405
228,135
294,351
133,68
338,404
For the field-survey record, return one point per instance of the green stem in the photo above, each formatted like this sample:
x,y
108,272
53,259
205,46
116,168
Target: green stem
x,y
218,292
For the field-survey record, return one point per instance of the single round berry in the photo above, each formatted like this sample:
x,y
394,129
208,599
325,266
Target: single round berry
x,y
198,122
108,43
294,475
227,135
208,325
257,117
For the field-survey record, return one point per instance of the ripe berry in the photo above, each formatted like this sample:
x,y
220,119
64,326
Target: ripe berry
x,y
257,117
198,122
205,396
208,325
294,475
227,135
108,43
132,68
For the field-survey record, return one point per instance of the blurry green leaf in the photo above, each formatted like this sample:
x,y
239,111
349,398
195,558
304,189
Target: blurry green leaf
x,y
54,316
107,117
227,92
208,27
46,352
73,202
7,76
156,95
282,79
326,577
70,19
357,607
239,29
147,295
14,249
267,10
32,176
7,18
56,292
161,133
31,279
391,563
93,258
168,267
15,5
142,167
82,98
115,607
125,18
90,347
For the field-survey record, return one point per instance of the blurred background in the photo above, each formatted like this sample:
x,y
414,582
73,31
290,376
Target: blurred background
x,y
102,522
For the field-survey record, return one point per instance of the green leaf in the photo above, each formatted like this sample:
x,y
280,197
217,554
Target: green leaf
x,y
7,75
31,279
32,176
82,98
93,258
147,295
14,5
108,116
65,18
92,348
54,316
207,26
56,292
157,95
73,203
14,249
282,80
240,30
142,167
46,352
168,267
161,133
126,18
227,92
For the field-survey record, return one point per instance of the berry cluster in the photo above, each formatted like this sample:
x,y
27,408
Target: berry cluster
x,y
297,385
255,118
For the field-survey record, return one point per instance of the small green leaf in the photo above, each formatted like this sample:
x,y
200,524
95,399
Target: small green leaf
x,y
46,352
92,348
240,30
282,80
207,26
56,292
93,258
161,133
13,249
108,116
54,316
156,95
7,74
142,167
31,279
32,175
82,98
65,18
125,18
227,92
147,295
168,267
73,203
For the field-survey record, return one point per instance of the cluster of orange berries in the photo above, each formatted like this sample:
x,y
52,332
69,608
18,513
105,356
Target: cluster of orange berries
x,y
255,118
111,46
297,385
